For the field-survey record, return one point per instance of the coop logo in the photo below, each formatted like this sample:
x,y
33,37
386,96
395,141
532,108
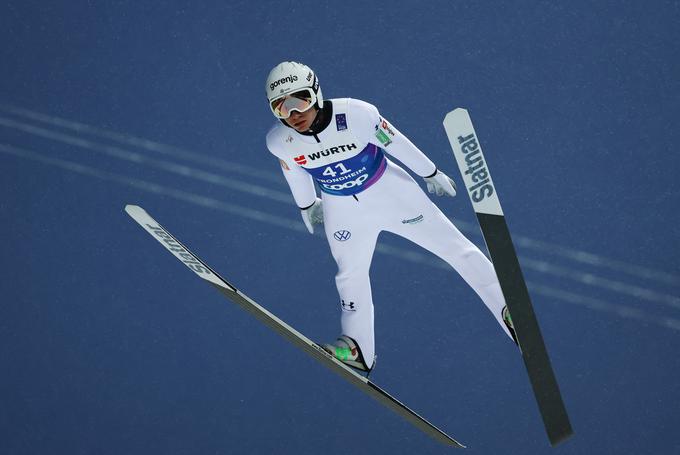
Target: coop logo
x,y
179,251
347,184
476,169
291,78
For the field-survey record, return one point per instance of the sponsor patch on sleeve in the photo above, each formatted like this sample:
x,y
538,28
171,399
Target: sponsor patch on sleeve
x,y
284,165
383,131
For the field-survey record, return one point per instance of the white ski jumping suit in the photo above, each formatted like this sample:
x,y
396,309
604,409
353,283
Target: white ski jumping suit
x,y
364,193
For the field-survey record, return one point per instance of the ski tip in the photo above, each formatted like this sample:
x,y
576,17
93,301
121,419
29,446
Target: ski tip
x,y
136,212
456,111
131,208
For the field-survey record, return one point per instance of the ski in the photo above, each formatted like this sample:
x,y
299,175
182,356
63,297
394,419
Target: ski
x,y
311,348
475,172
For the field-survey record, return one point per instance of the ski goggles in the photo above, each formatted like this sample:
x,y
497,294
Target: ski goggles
x,y
301,101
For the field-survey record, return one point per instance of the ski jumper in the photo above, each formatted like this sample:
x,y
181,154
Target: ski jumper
x,y
364,193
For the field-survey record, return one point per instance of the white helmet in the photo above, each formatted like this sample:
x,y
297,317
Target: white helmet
x,y
290,77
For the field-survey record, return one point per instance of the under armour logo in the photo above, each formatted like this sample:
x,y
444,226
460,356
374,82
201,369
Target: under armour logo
x,y
347,306
289,138
342,236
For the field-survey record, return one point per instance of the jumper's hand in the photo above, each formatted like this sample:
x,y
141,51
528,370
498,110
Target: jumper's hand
x,y
313,215
441,184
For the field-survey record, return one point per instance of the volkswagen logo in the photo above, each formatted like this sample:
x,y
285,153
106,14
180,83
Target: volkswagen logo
x,y
341,236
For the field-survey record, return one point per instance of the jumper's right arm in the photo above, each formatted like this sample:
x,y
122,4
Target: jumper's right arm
x,y
300,182
302,187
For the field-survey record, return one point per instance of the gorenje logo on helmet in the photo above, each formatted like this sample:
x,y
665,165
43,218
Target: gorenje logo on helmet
x,y
291,78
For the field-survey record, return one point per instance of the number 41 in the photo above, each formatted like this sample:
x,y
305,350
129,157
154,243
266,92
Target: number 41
x,y
329,170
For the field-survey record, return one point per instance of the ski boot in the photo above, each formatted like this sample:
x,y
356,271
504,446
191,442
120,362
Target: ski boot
x,y
346,350
505,313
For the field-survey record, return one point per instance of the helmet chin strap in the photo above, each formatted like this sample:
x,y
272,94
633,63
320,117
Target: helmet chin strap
x,y
318,120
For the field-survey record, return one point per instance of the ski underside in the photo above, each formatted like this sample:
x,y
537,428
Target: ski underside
x,y
286,331
484,198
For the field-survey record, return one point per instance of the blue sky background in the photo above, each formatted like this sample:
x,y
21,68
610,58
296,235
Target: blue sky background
x,y
109,346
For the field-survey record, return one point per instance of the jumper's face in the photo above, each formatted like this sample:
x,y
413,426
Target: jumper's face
x,y
301,121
